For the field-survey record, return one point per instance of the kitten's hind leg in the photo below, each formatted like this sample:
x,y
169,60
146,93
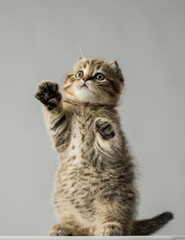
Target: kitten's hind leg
x,y
64,229
112,230
59,230
115,218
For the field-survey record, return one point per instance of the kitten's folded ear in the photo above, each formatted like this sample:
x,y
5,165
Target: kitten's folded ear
x,y
114,65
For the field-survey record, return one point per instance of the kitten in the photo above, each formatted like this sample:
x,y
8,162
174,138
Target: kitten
x,y
95,191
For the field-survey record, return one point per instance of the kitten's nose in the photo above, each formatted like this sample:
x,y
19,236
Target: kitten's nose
x,y
86,78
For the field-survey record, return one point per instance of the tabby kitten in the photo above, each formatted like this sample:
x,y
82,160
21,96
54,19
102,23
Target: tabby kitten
x,y
95,190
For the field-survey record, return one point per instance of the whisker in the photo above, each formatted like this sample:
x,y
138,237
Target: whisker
x,y
80,48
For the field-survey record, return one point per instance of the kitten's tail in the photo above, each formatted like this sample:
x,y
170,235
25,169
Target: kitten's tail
x,y
149,226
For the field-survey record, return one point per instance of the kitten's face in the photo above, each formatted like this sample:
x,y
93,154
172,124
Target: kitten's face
x,y
94,80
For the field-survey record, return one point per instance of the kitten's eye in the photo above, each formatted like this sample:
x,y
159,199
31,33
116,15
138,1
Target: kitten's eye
x,y
99,76
79,74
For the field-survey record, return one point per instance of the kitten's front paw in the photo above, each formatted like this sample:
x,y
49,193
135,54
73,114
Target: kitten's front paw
x,y
105,129
48,93
57,230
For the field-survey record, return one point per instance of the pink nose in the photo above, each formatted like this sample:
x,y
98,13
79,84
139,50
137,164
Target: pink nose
x,y
86,78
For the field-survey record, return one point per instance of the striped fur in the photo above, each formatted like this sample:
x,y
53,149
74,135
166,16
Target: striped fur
x,y
94,190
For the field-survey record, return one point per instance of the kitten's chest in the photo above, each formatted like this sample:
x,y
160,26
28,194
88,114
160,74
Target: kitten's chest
x,y
83,133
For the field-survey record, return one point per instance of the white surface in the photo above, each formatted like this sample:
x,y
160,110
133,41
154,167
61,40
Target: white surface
x,y
92,238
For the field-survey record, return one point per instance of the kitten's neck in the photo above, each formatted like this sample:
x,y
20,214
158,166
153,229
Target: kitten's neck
x,y
89,104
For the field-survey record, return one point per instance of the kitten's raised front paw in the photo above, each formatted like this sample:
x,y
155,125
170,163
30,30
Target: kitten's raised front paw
x,y
48,93
105,129
58,230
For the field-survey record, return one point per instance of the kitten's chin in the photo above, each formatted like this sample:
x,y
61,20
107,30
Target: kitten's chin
x,y
85,95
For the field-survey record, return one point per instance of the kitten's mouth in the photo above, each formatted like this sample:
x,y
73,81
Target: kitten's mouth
x,y
84,86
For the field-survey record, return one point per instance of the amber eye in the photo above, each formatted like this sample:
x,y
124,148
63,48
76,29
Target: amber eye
x,y
99,76
79,74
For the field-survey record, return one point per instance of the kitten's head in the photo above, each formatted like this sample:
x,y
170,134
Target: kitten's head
x,y
95,81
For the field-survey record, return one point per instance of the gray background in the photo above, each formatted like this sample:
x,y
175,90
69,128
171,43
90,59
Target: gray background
x,y
38,42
